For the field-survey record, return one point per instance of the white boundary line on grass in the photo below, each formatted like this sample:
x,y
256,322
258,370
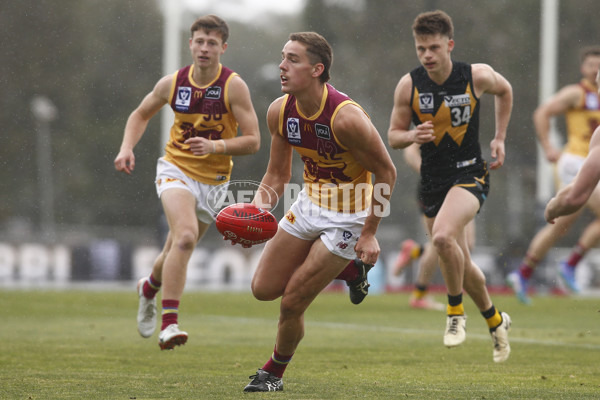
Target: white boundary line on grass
x,y
410,331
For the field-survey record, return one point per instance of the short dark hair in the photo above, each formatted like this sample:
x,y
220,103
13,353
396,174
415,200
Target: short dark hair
x,y
318,49
211,23
432,23
589,51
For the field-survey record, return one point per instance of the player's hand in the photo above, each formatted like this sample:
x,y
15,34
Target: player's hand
x,y
424,133
125,161
367,249
233,243
200,146
547,212
498,154
552,154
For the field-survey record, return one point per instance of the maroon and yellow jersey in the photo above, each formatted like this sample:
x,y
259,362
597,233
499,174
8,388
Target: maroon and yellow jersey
x,y
201,111
583,120
333,179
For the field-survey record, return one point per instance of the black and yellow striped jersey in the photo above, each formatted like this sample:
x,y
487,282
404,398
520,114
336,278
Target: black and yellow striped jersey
x,y
453,108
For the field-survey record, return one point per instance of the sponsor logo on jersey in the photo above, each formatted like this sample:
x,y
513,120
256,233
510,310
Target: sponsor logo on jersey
x,y
457,100
184,96
466,163
213,92
426,103
293,131
322,131
346,235
342,245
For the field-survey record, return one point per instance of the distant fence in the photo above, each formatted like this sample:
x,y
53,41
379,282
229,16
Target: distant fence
x,y
228,267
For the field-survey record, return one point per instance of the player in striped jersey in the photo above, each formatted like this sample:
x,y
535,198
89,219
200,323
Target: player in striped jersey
x,y
580,104
441,100
210,102
335,217
573,196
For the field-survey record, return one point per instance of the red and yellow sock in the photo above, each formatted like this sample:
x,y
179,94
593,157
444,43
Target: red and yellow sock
x,y
277,364
170,311
151,287
350,273
576,255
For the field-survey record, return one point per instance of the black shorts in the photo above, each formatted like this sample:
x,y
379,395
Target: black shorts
x,y
477,182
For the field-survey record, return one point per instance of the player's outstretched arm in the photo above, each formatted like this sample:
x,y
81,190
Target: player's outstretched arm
x,y
138,122
557,104
573,196
356,132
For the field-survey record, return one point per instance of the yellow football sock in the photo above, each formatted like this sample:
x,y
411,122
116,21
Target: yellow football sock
x,y
415,252
494,321
455,310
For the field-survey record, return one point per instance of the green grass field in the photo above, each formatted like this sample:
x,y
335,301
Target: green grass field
x,y
84,345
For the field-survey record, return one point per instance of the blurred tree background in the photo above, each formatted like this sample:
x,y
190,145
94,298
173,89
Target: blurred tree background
x,y
95,60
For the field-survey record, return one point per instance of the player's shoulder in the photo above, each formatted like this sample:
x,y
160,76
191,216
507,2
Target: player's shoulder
x,y
405,84
277,103
481,70
237,85
164,85
570,95
275,108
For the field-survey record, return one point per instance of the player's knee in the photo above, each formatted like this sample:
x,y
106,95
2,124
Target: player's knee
x,y
291,308
263,292
186,240
442,241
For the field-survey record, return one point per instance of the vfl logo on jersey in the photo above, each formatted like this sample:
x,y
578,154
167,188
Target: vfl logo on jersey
x,y
426,103
591,101
184,96
458,100
213,92
322,131
293,131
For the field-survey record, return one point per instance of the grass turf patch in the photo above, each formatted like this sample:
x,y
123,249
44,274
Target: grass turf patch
x,y
82,344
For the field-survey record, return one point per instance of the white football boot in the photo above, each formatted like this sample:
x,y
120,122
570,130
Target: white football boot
x,y
456,327
146,316
500,339
171,336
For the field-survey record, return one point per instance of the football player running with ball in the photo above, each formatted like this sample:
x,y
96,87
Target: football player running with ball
x,y
441,99
210,101
335,216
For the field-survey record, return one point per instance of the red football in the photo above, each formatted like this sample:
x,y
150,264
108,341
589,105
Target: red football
x,y
246,224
